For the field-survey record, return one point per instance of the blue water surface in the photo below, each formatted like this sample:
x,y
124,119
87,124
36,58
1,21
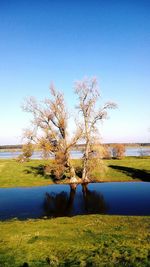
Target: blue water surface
x,y
61,200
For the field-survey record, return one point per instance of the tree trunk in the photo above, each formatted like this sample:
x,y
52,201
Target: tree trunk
x,y
86,154
85,164
73,178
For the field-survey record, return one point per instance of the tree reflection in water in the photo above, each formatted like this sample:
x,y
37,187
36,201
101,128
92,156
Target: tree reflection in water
x,y
62,204
93,201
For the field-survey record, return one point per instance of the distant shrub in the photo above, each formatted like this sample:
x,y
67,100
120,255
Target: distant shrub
x,y
118,151
106,152
27,151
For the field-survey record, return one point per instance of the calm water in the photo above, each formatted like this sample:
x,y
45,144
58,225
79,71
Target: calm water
x,y
36,155
130,151
61,200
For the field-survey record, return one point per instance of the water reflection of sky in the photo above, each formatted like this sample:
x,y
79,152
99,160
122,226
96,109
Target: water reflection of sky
x,y
62,200
130,151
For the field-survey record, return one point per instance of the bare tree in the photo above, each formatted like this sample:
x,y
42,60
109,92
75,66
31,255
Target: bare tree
x,y
88,96
50,119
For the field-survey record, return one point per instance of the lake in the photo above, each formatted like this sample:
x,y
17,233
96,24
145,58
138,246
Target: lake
x,y
75,154
36,155
61,200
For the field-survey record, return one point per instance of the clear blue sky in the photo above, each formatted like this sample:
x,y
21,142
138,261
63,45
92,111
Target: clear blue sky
x,y
64,41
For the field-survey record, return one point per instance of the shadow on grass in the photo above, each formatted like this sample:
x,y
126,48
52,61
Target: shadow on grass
x,y
143,175
41,170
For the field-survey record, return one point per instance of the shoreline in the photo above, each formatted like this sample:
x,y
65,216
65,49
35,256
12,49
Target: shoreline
x,y
72,184
33,172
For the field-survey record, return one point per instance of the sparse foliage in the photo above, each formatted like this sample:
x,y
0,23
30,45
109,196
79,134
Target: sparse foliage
x,y
50,128
118,151
88,96
50,119
46,148
106,152
27,151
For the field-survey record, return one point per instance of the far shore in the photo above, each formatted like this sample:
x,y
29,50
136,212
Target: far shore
x,y
15,148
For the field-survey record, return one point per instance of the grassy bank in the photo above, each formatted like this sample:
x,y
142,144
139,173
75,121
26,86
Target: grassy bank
x,y
31,173
93,240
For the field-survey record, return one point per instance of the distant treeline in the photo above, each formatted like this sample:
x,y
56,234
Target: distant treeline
x,y
10,146
79,146
129,144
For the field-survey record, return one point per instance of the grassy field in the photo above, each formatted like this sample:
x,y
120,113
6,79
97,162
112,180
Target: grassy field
x,y
15,174
93,240
129,168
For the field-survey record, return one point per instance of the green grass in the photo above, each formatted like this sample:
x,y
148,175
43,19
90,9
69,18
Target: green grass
x,y
128,169
15,174
93,240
